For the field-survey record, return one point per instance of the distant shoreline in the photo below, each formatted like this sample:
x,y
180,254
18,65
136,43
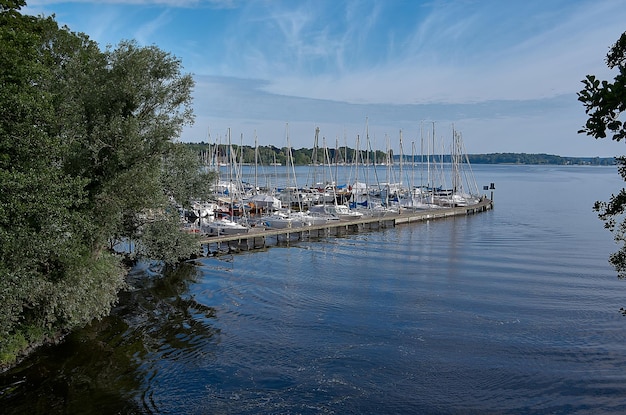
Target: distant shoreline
x,y
548,159
221,153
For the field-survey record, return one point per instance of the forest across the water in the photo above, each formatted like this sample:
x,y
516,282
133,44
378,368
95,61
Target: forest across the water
x,y
266,155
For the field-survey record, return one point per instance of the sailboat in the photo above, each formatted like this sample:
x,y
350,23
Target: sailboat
x,y
290,196
223,224
368,199
335,209
422,197
461,176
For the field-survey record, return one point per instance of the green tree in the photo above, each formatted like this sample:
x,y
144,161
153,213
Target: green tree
x,y
47,274
87,159
604,103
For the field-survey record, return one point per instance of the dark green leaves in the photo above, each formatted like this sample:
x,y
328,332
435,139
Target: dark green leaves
x,y
86,160
605,103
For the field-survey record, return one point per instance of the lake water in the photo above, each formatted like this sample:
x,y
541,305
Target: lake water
x,y
511,311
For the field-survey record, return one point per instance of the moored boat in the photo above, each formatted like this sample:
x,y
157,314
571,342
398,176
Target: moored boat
x,y
223,226
336,210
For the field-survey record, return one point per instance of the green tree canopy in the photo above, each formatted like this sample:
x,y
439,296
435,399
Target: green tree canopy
x,y
88,158
605,103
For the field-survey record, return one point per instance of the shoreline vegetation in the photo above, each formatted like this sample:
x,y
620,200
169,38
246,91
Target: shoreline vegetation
x,y
266,155
88,161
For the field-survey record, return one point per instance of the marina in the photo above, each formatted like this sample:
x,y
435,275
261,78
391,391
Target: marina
x,y
257,238
343,192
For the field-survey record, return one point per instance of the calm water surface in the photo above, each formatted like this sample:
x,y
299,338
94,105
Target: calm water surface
x,y
512,311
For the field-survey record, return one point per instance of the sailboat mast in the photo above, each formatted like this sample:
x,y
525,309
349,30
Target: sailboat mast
x,y
256,163
401,157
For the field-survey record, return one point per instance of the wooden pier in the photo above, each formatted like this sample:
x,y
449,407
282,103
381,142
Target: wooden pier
x,y
258,238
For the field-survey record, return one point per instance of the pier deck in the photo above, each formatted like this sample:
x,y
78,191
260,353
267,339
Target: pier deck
x,y
258,238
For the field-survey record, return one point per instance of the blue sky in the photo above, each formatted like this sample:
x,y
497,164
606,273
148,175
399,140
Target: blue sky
x,y
504,72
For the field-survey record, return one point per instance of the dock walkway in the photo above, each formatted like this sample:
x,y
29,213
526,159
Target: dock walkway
x,y
258,238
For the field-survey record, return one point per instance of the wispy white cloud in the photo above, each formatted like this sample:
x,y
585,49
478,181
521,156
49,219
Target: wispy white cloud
x,y
439,66
145,32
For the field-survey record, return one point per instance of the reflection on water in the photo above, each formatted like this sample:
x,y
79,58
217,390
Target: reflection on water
x,y
86,374
108,366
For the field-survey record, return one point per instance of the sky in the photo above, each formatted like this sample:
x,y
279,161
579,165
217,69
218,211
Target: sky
x,y
502,73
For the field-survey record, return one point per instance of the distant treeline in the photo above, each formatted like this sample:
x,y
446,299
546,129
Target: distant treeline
x,y
523,158
269,154
265,155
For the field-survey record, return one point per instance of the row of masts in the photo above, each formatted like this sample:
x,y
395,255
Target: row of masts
x,y
431,159
364,188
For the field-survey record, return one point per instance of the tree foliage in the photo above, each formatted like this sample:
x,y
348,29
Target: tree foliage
x,y
605,103
87,159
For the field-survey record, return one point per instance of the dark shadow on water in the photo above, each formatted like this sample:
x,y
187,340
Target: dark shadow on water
x,y
101,369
